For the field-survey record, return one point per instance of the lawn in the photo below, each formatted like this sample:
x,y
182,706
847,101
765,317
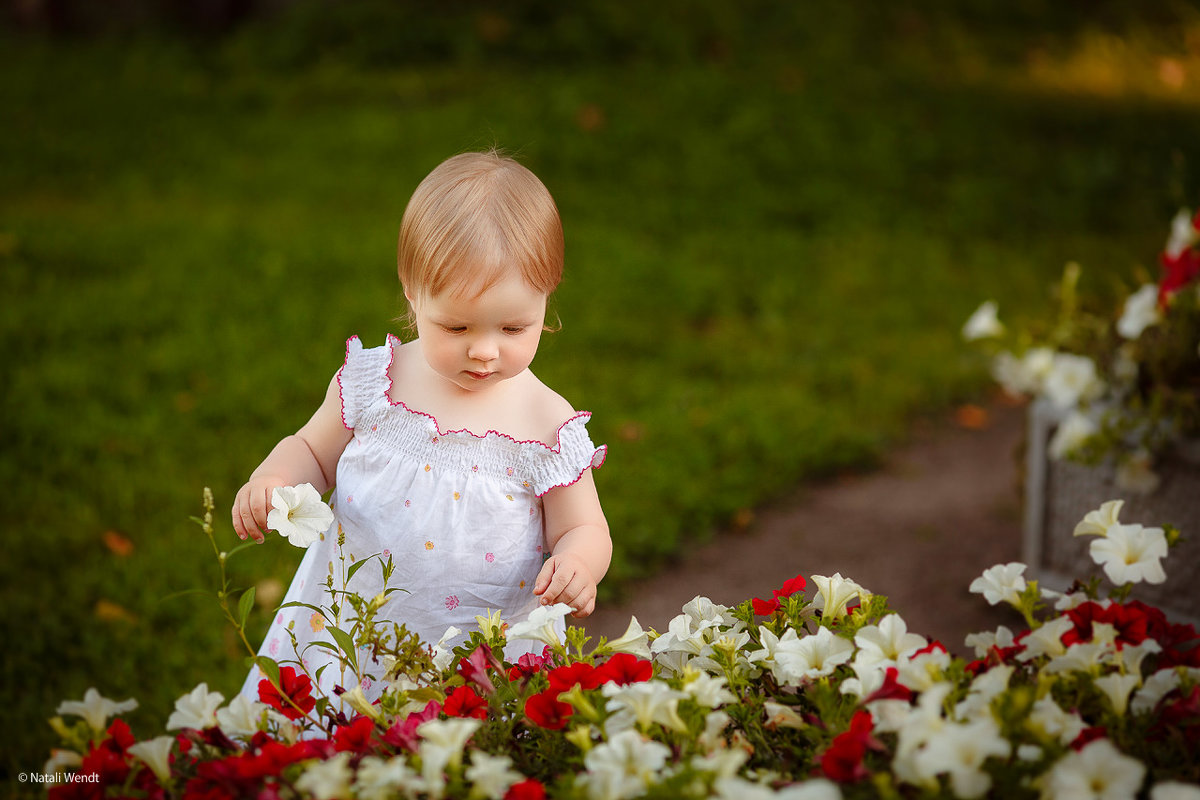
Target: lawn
x,y
775,228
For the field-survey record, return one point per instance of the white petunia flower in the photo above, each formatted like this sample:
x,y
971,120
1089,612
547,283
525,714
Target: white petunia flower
x,y
329,779
1001,583
1097,523
1046,640
1175,790
379,779
1135,473
923,672
156,754
299,514
1158,686
197,709
95,708
1071,434
1025,375
1117,688
811,657
1049,719
1099,771
782,716
1141,311
643,704
889,641
708,690
984,641
443,651
491,625
634,641
1080,657
812,789
983,324
442,743
491,776
62,760
1072,378
1183,233
542,624
722,763
241,717
1130,657
1131,553
834,593
623,767
960,751
984,688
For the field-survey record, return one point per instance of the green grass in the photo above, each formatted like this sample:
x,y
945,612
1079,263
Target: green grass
x,y
772,243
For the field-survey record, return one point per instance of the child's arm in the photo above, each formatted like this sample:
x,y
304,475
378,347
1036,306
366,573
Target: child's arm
x,y
580,547
310,455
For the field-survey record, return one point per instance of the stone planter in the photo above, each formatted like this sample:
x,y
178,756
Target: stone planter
x,y
1059,493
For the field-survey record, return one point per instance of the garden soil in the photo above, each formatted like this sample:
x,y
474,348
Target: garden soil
x,y
939,510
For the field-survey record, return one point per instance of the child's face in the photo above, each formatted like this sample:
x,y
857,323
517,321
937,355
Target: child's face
x,y
478,342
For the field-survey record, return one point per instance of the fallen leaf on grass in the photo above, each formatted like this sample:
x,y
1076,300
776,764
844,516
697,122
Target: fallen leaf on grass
x,y
108,611
118,544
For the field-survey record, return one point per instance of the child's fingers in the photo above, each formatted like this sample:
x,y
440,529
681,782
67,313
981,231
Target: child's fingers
x,y
543,577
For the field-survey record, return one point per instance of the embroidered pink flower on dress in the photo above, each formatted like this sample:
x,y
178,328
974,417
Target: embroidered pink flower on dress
x,y
489,557
452,602
273,648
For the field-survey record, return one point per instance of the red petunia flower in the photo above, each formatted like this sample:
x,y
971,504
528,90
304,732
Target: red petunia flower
x,y
546,711
563,678
892,689
474,668
528,789
765,608
296,687
624,669
843,761
357,737
464,702
1087,736
527,666
403,735
1178,271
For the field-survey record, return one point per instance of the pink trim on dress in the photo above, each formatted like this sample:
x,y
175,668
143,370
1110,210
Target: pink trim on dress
x,y
392,338
393,341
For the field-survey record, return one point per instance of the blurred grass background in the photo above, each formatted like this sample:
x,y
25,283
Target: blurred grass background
x,y
778,216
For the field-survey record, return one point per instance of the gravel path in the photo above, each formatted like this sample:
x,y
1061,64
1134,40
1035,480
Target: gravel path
x,y
940,510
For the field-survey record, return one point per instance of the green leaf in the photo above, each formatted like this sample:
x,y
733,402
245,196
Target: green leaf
x,y
268,666
346,643
297,603
244,606
355,567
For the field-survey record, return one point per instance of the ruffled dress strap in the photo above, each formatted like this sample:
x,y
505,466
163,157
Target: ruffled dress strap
x,y
363,378
565,463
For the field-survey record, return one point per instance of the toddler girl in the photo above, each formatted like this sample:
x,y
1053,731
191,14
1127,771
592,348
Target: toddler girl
x,y
446,452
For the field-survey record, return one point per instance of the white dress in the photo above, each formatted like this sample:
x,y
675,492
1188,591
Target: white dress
x,y
459,514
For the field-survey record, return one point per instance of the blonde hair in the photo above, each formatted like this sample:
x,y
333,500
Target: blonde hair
x,y
472,219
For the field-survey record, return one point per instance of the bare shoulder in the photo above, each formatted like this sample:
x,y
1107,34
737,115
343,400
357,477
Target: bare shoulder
x,y
547,409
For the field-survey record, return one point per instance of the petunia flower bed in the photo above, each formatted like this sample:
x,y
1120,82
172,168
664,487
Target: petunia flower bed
x,y
792,695
1122,384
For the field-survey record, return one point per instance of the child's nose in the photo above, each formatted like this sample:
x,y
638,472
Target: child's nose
x,y
483,349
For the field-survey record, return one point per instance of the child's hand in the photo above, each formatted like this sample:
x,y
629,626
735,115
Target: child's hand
x,y
251,507
565,579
